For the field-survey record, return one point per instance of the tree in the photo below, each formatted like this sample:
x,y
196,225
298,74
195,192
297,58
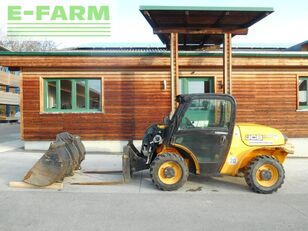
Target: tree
x,y
28,45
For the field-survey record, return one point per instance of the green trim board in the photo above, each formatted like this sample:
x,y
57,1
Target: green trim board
x,y
205,8
67,98
303,92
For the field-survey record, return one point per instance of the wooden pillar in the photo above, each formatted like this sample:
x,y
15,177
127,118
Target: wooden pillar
x,y
174,65
227,63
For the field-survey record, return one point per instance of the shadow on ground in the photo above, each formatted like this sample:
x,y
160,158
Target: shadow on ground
x,y
201,184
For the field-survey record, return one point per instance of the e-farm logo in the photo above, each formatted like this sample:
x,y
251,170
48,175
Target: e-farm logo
x,y
58,21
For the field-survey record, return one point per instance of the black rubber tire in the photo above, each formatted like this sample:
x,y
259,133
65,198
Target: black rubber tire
x,y
251,170
161,159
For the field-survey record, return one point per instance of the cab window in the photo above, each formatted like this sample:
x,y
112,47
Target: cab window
x,y
207,113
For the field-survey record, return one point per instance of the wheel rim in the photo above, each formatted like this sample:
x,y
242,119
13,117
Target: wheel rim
x,y
267,175
170,172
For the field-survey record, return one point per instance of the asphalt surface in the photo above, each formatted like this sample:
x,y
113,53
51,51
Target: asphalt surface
x,y
10,137
9,132
204,203
220,203
168,211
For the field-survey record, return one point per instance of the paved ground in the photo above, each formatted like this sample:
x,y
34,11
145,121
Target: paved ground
x,y
9,132
202,204
221,203
10,137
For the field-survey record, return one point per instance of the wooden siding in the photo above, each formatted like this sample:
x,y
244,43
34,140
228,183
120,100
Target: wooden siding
x,y
148,62
265,90
265,96
270,98
132,101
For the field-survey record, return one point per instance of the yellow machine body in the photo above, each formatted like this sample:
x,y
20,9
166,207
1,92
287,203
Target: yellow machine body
x,y
248,141
203,138
252,140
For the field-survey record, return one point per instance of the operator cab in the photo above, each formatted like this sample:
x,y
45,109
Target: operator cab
x,y
203,124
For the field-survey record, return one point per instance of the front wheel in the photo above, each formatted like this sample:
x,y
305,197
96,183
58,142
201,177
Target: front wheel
x,y
264,175
168,172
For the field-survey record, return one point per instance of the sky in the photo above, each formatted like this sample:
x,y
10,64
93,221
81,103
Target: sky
x,y
287,26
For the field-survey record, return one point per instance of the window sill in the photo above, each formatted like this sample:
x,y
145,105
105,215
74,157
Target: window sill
x,y
72,112
302,110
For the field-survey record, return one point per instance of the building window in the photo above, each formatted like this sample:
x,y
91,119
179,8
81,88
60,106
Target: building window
x,y
303,93
196,85
72,95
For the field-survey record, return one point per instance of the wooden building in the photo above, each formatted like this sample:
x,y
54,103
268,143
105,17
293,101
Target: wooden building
x,y
9,97
135,90
110,96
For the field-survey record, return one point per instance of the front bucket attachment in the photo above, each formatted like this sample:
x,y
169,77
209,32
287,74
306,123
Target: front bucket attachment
x,y
52,167
74,146
132,161
61,159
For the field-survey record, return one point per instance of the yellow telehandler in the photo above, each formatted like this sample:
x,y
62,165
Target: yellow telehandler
x,y
202,138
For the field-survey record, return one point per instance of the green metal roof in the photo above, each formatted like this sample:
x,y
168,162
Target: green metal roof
x,y
207,8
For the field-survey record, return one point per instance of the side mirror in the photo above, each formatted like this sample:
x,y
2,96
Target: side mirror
x,y
166,121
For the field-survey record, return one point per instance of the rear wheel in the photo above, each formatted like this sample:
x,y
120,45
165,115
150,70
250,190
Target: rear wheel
x,y
168,172
264,175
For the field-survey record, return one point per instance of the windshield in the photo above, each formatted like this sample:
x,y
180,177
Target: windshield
x,y
206,113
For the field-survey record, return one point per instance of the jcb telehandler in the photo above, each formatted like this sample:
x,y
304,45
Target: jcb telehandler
x,y
202,138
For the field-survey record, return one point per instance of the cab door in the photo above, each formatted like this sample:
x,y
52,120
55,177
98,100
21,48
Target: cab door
x,y
206,129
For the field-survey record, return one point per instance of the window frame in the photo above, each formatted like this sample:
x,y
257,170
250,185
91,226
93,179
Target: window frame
x,y
301,107
186,79
74,109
